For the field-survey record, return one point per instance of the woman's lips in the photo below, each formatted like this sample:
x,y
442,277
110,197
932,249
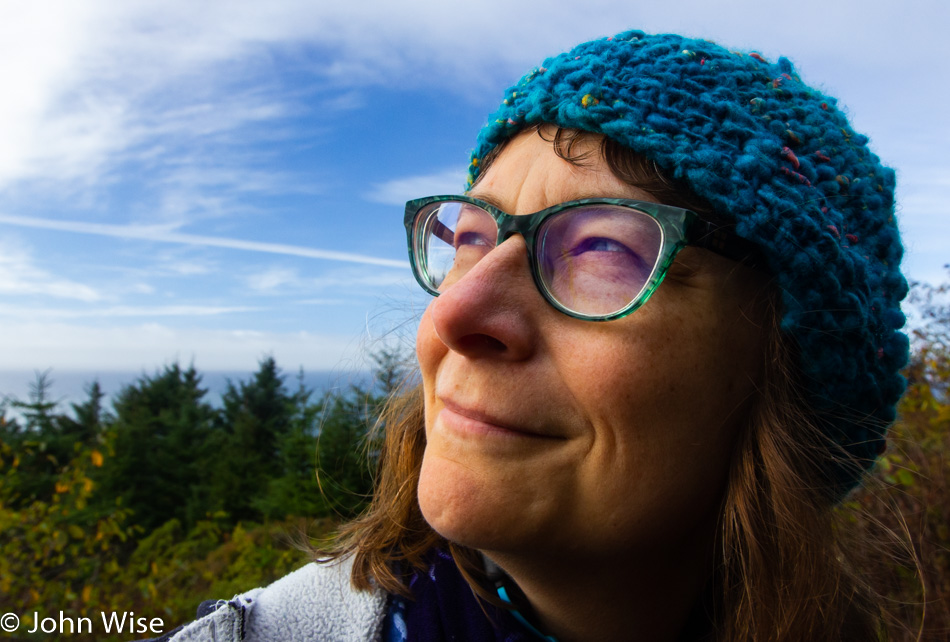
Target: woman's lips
x,y
470,420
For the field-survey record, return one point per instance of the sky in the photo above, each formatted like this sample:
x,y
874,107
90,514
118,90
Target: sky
x,y
213,182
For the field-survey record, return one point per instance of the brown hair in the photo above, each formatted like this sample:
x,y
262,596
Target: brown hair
x,y
780,572
784,574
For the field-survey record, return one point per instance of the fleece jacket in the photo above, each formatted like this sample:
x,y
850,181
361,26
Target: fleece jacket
x,y
315,602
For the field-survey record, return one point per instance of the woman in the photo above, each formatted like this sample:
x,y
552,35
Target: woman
x,y
665,342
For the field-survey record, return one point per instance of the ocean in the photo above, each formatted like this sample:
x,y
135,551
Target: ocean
x,y
69,387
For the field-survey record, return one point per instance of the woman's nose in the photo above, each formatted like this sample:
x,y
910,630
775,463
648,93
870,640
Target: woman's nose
x,y
491,311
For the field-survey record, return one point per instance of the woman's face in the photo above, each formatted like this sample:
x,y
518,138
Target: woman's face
x,y
547,434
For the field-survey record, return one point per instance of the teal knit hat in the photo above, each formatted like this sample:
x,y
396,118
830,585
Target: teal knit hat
x,y
780,161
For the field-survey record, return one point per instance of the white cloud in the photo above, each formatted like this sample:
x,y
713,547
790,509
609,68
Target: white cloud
x,y
322,302
117,311
162,235
362,280
87,84
186,267
174,260
19,275
400,190
272,279
141,288
61,346
352,281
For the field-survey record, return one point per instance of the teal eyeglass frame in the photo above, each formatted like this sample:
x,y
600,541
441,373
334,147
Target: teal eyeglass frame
x,y
680,227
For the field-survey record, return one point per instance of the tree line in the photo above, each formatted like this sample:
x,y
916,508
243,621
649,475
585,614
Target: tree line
x,y
162,499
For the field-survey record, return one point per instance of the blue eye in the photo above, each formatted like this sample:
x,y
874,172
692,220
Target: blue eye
x,y
599,244
471,238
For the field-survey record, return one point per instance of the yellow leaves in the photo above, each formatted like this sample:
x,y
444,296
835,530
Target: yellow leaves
x,y
97,459
904,477
58,540
942,417
895,469
62,487
86,593
75,532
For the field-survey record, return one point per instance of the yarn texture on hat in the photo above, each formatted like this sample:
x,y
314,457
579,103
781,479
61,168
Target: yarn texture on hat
x,y
781,162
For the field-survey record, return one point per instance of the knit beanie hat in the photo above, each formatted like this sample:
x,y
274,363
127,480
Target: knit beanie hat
x,y
780,161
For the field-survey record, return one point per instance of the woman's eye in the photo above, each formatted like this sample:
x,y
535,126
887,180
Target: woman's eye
x,y
470,238
599,244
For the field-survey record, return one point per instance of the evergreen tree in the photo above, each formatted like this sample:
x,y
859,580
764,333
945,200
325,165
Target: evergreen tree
x,y
160,438
346,458
40,452
89,418
257,417
344,472
38,412
9,427
295,492
48,440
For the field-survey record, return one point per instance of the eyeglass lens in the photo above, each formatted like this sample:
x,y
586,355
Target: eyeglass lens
x,y
592,259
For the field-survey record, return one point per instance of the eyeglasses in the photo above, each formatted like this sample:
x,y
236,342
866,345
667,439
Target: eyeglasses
x,y
595,259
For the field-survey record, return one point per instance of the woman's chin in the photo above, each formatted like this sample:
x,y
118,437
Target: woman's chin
x,y
463,507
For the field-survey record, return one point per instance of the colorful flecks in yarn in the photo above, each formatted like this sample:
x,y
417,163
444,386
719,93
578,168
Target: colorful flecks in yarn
x,y
781,161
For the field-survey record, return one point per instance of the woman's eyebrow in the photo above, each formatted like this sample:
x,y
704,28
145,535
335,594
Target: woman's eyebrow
x,y
488,198
579,196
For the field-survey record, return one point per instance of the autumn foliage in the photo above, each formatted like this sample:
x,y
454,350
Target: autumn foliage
x,y
166,501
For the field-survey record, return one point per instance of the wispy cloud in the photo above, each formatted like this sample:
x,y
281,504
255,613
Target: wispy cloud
x,y
84,81
272,279
399,190
187,267
94,83
322,302
158,234
356,280
116,347
126,311
169,112
141,288
19,275
352,281
91,85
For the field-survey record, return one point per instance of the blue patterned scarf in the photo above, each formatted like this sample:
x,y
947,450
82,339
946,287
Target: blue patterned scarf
x,y
445,609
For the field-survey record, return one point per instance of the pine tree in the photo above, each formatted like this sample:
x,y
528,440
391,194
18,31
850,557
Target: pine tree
x,y
160,438
40,452
257,416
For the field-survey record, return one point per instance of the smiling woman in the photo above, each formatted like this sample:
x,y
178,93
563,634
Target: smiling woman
x,y
538,424
547,435
664,343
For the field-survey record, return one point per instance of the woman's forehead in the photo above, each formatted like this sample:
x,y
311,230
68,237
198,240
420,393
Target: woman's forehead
x,y
528,175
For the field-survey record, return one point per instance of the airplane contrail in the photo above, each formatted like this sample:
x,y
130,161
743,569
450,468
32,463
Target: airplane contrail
x,y
155,234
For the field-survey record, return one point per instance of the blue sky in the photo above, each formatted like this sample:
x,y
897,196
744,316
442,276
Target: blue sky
x,y
215,181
